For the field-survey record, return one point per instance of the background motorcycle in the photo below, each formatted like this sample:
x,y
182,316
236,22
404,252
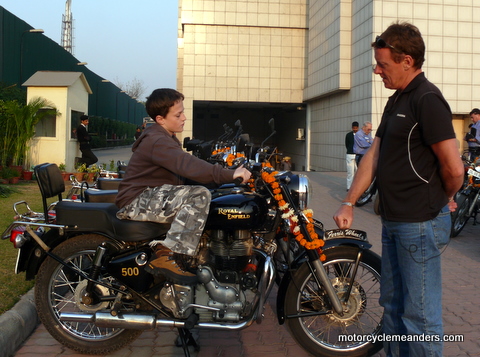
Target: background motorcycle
x,y
94,296
467,199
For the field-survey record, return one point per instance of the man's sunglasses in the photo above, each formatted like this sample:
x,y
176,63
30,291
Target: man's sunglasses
x,y
380,43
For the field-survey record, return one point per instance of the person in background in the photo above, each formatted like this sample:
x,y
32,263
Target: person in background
x,y
363,141
138,132
350,158
418,170
287,163
153,188
88,157
473,136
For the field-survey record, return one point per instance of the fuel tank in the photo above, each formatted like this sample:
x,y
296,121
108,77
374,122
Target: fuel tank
x,y
237,211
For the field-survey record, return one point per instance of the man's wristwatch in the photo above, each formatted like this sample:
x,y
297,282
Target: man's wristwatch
x,y
347,204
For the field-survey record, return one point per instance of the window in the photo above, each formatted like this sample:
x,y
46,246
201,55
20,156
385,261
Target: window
x,y
74,123
47,126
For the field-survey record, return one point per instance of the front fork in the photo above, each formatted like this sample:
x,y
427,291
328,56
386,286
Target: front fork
x,y
473,206
318,270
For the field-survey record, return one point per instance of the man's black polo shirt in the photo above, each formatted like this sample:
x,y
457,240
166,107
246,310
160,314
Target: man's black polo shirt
x,y
408,172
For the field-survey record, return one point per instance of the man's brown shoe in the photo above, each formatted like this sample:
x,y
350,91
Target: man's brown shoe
x,y
165,265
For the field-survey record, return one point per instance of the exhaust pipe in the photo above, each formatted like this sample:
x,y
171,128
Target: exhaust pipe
x,y
144,322
124,321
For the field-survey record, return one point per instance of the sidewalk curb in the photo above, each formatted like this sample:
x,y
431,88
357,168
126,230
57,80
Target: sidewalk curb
x,y
17,324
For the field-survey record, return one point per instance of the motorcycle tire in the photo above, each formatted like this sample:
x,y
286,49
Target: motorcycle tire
x,y
319,334
367,195
58,289
460,216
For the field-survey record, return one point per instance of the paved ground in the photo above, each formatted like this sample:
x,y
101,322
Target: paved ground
x,y
461,264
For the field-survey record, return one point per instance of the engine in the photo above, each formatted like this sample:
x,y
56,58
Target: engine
x,y
227,274
226,261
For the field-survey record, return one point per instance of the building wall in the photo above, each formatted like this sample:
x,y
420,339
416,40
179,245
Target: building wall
x,y
320,51
241,50
452,54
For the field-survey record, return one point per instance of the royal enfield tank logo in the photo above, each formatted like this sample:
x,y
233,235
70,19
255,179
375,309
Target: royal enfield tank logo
x,y
232,213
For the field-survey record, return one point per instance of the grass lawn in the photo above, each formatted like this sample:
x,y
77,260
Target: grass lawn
x,y
13,286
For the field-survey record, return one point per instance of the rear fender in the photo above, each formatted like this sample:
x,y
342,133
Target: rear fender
x,y
287,278
31,256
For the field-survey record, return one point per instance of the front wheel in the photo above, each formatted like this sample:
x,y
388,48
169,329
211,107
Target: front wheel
x,y
460,216
58,289
325,333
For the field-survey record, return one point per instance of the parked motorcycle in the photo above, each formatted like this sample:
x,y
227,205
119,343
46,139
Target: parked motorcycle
x,y
367,195
94,296
467,199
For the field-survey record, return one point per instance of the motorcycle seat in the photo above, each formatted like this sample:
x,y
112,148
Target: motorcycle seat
x,y
96,195
101,218
104,183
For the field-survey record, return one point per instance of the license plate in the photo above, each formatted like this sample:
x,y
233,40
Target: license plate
x,y
474,173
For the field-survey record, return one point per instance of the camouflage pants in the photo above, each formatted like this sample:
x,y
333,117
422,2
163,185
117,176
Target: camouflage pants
x,y
185,207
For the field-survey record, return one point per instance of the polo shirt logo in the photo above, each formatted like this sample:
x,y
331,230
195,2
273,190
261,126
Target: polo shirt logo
x,y
401,115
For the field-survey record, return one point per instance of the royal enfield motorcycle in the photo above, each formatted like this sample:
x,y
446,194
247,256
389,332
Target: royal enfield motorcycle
x,y
93,295
467,199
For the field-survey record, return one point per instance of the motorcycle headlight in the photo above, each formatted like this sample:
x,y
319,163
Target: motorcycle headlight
x,y
477,165
300,190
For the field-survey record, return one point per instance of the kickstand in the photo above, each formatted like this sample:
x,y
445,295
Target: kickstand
x,y
185,339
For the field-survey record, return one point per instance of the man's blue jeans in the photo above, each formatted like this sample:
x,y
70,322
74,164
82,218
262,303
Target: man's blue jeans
x,y
411,283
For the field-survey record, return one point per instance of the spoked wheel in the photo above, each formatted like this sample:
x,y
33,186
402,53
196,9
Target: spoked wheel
x,y
59,290
460,216
330,334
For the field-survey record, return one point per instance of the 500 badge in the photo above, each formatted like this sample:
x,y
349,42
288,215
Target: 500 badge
x,y
130,271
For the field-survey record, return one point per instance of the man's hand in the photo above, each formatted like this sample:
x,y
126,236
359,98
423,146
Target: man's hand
x,y
344,217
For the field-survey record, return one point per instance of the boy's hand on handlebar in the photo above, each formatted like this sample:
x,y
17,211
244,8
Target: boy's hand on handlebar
x,y
242,173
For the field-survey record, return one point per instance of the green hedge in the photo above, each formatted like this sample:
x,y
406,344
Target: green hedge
x,y
107,132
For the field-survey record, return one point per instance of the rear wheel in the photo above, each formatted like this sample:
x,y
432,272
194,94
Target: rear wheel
x,y
460,216
330,334
58,290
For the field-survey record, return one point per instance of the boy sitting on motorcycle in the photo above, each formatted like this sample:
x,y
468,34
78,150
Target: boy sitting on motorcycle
x,y
153,188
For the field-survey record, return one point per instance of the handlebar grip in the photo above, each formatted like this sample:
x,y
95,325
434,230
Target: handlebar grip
x,y
238,181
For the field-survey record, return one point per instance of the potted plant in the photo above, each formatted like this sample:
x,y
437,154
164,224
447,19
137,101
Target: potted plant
x,y
93,171
63,170
27,174
9,174
81,170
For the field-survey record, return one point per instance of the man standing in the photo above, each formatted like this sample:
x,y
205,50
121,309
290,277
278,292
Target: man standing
x,y
417,165
350,158
88,157
363,141
473,137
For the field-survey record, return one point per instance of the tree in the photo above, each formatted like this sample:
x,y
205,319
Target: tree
x,y
134,88
19,127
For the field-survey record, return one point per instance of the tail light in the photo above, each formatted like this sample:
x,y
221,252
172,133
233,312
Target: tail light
x,y
17,237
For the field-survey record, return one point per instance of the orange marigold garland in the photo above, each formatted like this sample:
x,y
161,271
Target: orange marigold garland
x,y
288,213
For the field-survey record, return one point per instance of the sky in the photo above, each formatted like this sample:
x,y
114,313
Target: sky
x,y
119,39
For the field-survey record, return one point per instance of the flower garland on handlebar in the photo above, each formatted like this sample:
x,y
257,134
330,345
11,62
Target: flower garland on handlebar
x,y
288,213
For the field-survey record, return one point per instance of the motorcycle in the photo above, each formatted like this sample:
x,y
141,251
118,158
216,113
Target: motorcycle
x,y
367,195
467,199
94,296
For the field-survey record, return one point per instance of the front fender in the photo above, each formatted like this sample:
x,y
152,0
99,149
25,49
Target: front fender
x,y
330,245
